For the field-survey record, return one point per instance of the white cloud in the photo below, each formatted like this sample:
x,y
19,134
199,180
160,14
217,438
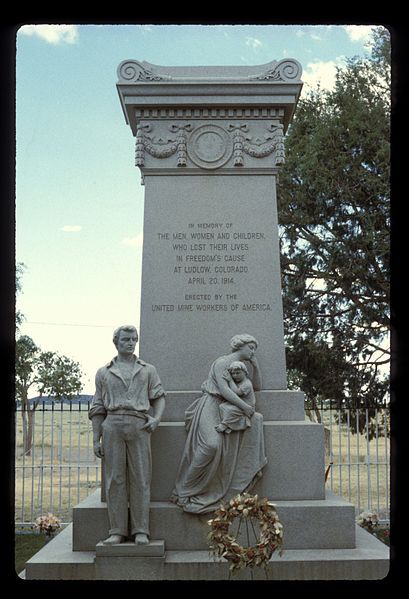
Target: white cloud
x,y
253,42
358,33
71,228
322,73
52,34
134,242
300,33
315,37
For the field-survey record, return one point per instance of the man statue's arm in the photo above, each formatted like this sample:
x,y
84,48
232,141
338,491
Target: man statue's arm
x,y
97,415
157,401
152,422
97,421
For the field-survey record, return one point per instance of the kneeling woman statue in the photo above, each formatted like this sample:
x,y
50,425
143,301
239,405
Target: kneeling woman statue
x,y
215,465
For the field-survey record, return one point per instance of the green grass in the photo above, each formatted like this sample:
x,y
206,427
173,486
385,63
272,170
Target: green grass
x,y
382,533
26,545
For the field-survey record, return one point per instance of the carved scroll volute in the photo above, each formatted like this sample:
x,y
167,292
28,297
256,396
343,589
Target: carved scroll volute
x,y
287,70
132,71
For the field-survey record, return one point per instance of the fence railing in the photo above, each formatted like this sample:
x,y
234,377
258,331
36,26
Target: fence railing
x,y
61,469
358,449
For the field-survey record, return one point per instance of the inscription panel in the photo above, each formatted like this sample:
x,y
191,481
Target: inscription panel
x,y
210,271
214,262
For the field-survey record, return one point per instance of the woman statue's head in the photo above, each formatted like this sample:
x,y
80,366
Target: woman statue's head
x,y
239,341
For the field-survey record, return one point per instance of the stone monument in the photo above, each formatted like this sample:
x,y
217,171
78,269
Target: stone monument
x,y
209,142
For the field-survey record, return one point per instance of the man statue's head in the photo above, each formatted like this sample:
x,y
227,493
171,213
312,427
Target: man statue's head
x,y
125,338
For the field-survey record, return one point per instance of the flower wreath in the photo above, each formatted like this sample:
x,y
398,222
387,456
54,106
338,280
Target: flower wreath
x,y
271,531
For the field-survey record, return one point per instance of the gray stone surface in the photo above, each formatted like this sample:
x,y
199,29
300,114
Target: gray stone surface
x,y
213,280
274,405
57,561
369,560
179,91
129,568
154,548
295,468
294,447
209,142
308,524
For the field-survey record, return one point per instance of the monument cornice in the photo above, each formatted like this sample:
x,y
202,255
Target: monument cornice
x,y
223,171
143,86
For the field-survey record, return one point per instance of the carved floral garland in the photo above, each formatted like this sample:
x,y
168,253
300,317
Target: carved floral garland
x,y
271,531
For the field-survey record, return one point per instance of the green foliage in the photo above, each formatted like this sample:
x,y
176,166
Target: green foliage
x,y
334,234
49,373
58,376
27,357
20,267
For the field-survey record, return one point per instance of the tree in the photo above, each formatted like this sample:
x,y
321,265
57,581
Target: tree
x,y
334,234
20,267
49,373
58,376
27,353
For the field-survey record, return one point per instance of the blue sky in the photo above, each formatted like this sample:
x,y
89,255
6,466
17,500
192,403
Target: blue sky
x,y
79,202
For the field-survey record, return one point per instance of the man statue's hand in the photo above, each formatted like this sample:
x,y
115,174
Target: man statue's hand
x,y
98,449
151,424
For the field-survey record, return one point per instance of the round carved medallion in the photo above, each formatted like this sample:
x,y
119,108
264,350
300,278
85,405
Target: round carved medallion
x,y
209,146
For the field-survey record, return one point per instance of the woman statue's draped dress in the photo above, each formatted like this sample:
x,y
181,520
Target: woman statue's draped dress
x,y
216,466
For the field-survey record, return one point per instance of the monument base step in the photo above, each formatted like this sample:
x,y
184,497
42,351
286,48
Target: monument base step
x,y
152,549
369,560
308,524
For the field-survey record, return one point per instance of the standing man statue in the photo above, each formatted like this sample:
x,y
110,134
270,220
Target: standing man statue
x,y
126,389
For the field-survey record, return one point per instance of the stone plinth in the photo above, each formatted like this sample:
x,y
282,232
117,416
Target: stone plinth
x,y
313,524
151,549
294,449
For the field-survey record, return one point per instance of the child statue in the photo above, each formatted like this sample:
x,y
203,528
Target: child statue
x,y
234,419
